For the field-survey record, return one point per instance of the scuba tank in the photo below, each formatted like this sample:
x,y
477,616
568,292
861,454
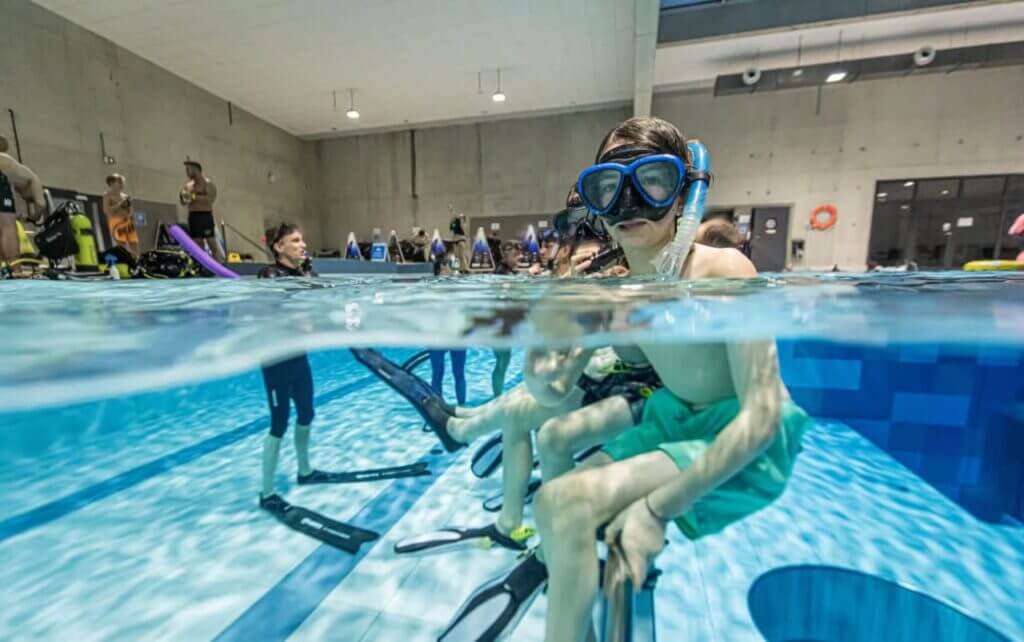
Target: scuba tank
x,y
482,258
352,251
87,257
24,242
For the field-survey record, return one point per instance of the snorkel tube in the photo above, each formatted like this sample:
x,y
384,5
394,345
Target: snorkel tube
x,y
670,262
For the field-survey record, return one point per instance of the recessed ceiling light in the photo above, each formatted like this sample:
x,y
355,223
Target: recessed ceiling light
x,y
499,95
798,72
908,184
904,207
945,192
352,113
883,194
836,76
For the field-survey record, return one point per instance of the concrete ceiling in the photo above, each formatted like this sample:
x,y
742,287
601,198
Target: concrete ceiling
x,y
416,62
409,61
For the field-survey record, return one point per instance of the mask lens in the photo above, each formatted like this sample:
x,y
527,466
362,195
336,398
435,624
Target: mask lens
x,y
657,180
599,188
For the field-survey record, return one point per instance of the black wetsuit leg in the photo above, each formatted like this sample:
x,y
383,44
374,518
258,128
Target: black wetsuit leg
x,y
302,392
284,381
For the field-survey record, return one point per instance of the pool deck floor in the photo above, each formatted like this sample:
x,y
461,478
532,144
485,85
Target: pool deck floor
x,y
184,554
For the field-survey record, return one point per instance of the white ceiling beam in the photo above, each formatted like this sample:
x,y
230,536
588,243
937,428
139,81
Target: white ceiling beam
x,y
645,46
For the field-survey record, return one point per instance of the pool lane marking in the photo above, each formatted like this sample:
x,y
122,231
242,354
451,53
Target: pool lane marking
x,y
46,513
279,612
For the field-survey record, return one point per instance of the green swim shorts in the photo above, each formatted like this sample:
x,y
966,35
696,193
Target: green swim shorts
x,y
670,425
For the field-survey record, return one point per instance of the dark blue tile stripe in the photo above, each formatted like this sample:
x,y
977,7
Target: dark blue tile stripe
x,y
22,522
282,609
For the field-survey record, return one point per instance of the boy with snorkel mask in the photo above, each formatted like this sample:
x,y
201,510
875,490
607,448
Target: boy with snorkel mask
x,y
716,443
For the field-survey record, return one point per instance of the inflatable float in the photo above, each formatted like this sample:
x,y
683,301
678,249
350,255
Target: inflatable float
x,y
198,254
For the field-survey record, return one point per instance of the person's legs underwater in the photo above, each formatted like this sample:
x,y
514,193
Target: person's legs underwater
x,y
459,374
569,511
437,371
501,360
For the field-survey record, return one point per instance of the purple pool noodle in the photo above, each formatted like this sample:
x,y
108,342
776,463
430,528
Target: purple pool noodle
x,y
199,254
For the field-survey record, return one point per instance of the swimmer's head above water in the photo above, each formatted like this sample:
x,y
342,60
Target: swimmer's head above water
x,y
649,186
286,244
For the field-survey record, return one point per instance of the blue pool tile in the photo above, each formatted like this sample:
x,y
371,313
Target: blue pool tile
x,y
919,353
999,357
825,374
910,437
934,409
876,431
970,469
942,470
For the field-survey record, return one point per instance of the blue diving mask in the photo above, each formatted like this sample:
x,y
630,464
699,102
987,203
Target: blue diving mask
x,y
632,182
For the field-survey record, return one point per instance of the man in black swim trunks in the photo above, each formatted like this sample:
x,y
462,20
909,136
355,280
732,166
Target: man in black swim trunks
x,y
199,194
289,380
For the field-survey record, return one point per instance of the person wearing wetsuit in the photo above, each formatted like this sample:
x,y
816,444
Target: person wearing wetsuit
x,y
290,380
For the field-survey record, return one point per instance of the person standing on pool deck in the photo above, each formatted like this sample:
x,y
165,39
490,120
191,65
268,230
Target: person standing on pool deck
x,y
715,444
199,195
290,380
117,205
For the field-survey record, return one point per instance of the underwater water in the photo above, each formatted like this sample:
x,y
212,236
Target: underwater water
x,y
132,417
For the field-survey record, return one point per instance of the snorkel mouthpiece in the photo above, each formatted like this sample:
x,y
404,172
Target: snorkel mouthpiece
x,y
669,262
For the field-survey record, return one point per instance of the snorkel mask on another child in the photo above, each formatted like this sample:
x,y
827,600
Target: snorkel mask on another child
x,y
634,182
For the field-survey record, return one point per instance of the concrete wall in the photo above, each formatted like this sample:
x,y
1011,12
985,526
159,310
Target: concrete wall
x,y
773,148
776,148
66,85
510,167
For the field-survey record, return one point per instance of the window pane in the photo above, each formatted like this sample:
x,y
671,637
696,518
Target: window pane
x,y
895,191
987,186
1015,185
941,189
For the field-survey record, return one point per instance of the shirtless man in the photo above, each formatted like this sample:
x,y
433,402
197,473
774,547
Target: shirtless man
x,y
199,194
117,205
15,177
715,444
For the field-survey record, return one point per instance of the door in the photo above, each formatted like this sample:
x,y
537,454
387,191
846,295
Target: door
x,y
769,238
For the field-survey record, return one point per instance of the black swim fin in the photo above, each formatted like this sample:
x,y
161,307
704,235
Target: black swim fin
x,y
431,406
309,522
487,457
454,536
494,504
356,476
492,612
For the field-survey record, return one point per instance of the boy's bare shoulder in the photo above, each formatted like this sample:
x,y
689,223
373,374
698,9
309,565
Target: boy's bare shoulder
x,y
720,263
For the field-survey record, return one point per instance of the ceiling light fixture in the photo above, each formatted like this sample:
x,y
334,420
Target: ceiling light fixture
x,y
883,194
799,57
498,96
838,74
908,184
352,113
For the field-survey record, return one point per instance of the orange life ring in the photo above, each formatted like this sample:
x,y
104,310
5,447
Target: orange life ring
x,y
824,217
